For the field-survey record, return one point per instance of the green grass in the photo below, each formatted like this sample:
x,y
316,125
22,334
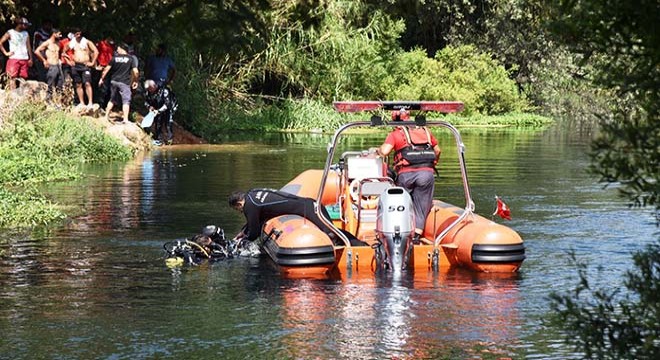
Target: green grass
x,y
27,207
39,145
311,115
527,120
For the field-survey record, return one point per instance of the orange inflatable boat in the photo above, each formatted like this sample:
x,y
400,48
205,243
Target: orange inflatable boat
x,y
373,219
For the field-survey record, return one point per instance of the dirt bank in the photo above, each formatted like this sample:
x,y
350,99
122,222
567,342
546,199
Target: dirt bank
x,y
130,134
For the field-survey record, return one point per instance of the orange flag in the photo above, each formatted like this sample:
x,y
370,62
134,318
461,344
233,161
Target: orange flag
x,y
502,209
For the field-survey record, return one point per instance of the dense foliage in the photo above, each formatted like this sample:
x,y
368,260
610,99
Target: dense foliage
x,y
337,50
604,324
36,146
622,42
257,54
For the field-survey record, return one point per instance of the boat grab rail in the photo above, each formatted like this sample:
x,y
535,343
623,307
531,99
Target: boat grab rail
x,y
460,146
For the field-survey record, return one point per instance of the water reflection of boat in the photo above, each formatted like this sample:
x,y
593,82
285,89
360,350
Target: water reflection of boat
x,y
401,316
364,202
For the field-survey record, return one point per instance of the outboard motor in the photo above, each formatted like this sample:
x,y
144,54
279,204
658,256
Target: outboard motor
x,y
395,227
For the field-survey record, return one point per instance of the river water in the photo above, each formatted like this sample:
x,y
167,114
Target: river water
x,y
98,286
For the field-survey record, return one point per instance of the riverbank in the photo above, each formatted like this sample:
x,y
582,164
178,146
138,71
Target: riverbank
x,y
307,115
39,145
94,275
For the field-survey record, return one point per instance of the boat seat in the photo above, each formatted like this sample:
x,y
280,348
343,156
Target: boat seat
x,y
369,191
366,192
374,188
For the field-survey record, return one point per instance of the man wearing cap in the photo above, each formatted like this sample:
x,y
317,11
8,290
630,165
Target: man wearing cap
x,y
20,51
124,77
84,57
51,61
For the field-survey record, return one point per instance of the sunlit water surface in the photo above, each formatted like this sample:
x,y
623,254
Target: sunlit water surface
x,y
99,288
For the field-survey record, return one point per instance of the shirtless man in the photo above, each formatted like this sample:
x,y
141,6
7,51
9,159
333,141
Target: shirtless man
x,y
51,61
84,57
20,51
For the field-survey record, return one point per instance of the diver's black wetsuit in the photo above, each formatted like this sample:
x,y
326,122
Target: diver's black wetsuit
x,y
262,205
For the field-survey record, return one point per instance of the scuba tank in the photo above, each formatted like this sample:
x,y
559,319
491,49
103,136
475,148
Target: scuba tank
x,y
211,244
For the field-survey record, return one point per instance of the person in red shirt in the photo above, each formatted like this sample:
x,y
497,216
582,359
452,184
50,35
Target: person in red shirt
x,y
106,49
66,57
416,152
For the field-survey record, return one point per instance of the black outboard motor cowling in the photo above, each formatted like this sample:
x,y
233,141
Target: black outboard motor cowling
x,y
395,227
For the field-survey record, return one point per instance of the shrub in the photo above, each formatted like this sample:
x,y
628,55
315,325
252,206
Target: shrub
x,y
456,73
603,324
26,208
37,145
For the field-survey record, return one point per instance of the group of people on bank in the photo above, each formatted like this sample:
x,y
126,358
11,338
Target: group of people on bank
x,y
105,72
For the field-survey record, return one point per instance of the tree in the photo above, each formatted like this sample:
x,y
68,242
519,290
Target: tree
x,y
511,31
227,27
621,40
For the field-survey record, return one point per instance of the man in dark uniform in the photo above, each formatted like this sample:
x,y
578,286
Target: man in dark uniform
x,y
161,100
261,205
123,79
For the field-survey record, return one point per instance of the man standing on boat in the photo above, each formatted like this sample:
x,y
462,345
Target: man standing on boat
x,y
261,205
416,153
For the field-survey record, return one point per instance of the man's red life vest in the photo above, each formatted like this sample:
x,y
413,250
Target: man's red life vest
x,y
418,151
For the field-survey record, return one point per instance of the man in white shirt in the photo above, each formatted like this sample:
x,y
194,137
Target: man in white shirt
x,y
20,51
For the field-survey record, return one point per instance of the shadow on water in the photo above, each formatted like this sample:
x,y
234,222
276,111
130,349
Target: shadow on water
x,y
98,287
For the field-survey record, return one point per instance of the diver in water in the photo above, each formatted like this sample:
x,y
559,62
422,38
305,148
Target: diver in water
x,y
261,205
210,245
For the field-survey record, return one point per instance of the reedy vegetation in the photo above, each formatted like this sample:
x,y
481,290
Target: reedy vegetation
x,y
39,145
